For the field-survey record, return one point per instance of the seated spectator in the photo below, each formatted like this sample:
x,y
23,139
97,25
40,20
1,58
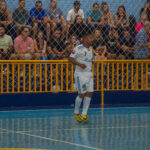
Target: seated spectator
x,y
5,16
112,44
146,10
76,11
55,17
121,19
142,46
6,44
73,40
20,17
24,45
127,44
38,19
77,27
55,45
107,15
94,17
40,45
139,25
98,45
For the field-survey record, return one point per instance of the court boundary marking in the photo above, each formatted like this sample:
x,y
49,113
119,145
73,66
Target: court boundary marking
x,y
50,139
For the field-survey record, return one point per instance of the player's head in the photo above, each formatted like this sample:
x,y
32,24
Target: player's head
x,y
2,29
87,37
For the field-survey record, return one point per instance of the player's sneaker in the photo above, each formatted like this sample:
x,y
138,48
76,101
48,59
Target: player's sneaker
x,y
78,117
84,118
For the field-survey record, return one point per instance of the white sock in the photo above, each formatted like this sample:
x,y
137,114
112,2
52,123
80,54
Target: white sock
x,y
77,104
86,104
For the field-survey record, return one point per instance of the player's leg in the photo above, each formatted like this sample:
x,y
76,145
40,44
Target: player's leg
x,y
87,99
79,98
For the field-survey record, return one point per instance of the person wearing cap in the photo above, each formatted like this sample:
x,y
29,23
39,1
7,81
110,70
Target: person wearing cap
x,y
82,57
6,44
75,12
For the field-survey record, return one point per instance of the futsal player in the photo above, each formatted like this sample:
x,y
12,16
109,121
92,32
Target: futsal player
x,y
82,57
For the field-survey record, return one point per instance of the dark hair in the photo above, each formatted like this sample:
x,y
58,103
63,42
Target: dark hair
x,y
25,27
38,2
37,40
122,6
87,31
2,26
132,22
75,21
77,3
102,5
95,4
21,1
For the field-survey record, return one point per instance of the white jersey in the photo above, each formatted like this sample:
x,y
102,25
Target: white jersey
x,y
85,56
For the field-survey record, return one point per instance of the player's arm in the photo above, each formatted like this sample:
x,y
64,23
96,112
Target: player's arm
x,y
72,60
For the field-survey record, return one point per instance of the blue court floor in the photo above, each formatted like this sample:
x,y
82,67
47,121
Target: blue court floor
x,y
108,129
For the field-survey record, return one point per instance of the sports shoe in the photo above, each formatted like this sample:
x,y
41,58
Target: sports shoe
x,y
78,117
84,118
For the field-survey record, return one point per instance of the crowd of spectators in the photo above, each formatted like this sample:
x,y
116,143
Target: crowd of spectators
x,y
46,33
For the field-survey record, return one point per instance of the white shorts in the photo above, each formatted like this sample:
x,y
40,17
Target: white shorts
x,y
84,83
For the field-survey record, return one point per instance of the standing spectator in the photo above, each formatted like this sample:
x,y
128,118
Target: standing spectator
x,y
94,17
76,11
20,17
24,45
121,19
40,45
6,44
55,45
77,27
142,46
39,19
55,17
139,25
127,44
5,16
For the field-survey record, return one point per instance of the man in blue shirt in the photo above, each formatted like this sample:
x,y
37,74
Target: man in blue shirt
x,y
142,46
38,18
94,17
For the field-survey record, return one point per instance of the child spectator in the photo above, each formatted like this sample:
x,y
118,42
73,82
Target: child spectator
x,y
73,40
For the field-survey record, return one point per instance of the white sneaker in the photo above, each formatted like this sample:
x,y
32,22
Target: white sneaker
x,y
54,88
21,74
74,87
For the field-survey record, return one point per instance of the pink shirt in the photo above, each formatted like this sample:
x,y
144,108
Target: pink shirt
x,y
138,27
22,44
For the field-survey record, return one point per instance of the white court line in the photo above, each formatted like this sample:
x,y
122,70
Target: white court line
x,y
96,128
55,140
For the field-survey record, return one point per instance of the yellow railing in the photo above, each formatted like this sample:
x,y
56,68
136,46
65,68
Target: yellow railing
x,y
26,76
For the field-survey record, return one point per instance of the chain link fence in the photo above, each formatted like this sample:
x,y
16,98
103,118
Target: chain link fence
x,y
53,28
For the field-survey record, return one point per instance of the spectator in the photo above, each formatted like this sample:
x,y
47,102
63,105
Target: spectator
x,y
112,44
24,45
147,10
121,19
39,19
94,17
77,27
55,17
98,45
6,44
107,15
55,45
40,45
73,40
20,17
5,16
142,46
127,45
139,25
132,24
76,11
